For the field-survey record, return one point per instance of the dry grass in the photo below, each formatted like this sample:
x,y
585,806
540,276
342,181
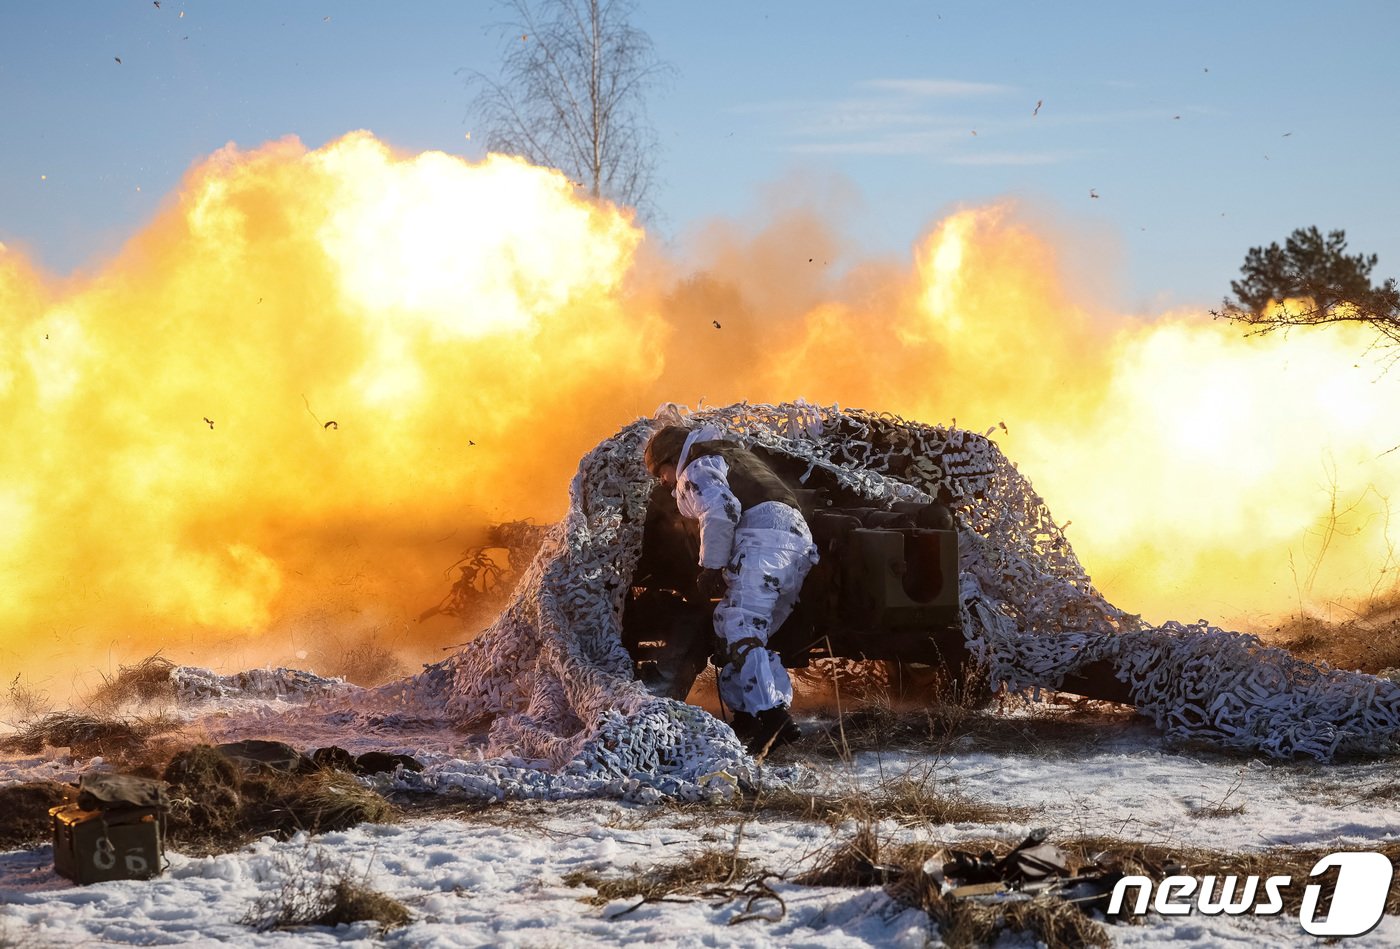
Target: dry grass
x,y
1227,806
217,807
205,803
26,700
1388,791
366,661
326,801
853,863
1053,923
317,892
697,872
942,727
835,685
121,739
147,681
1367,638
910,801
865,860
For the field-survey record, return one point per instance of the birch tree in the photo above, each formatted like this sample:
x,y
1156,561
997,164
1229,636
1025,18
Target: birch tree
x,y
571,94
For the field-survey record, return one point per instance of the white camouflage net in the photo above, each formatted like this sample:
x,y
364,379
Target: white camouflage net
x,y
552,685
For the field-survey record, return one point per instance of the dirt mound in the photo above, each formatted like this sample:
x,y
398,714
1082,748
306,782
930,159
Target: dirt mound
x,y
26,810
1368,640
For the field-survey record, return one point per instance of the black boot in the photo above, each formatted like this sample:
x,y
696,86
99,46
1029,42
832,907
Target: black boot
x,y
744,726
775,728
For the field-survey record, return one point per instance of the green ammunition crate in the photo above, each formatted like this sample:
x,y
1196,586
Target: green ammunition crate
x,y
119,844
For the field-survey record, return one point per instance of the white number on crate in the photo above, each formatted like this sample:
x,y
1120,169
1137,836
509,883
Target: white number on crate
x,y
104,855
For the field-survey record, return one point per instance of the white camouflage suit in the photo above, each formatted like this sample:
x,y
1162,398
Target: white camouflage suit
x,y
766,552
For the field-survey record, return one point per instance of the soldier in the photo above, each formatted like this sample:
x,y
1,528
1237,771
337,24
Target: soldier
x,y
755,550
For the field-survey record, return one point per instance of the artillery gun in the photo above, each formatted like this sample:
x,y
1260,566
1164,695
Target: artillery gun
x,y
886,589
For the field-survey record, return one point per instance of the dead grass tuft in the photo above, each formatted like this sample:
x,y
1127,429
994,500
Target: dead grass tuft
x,y
27,701
326,801
318,892
1227,806
1053,923
911,801
365,662
717,866
853,863
26,810
217,807
351,902
205,802
147,681
122,739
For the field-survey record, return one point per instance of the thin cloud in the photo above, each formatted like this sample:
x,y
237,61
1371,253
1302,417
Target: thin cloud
x,y
882,116
918,116
935,88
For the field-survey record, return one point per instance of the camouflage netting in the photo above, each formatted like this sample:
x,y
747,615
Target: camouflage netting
x,y
551,685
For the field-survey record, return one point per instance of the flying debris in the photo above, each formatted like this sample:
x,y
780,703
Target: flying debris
x,y
209,421
1038,104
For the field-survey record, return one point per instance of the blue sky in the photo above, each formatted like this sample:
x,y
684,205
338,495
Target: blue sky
x,y
1203,127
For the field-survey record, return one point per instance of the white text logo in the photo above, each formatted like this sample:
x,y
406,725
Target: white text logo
x,y
1363,882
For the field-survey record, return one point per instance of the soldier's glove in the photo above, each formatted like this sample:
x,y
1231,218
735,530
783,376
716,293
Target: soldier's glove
x,y
710,584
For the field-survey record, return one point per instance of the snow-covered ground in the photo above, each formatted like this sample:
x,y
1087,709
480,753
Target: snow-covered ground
x,y
497,876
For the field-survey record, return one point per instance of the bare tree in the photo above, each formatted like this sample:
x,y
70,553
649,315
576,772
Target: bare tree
x,y
572,95
1334,287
